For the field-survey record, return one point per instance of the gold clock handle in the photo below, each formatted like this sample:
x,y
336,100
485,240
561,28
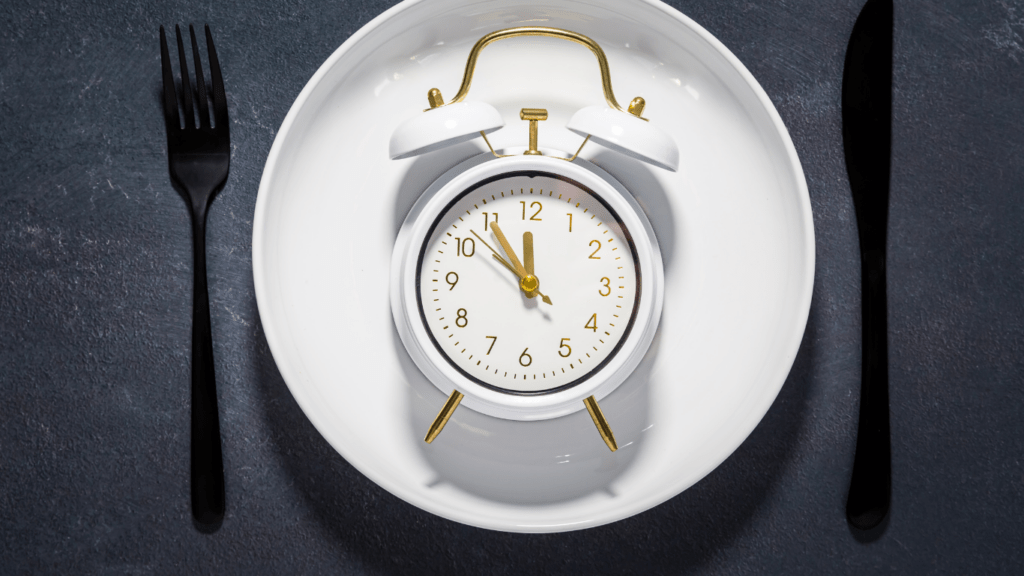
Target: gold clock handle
x,y
602,62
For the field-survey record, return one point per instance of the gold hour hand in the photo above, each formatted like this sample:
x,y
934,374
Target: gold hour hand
x,y
496,255
511,268
506,264
520,271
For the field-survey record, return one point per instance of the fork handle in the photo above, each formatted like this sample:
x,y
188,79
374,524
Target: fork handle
x,y
207,481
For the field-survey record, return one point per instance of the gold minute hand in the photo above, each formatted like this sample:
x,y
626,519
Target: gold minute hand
x,y
528,259
530,290
528,253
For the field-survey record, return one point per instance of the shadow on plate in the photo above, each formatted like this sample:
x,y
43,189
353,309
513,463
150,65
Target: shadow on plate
x,y
530,463
388,535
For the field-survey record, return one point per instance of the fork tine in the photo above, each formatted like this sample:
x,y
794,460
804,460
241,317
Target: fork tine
x,y
220,103
204,109
170,99
186,86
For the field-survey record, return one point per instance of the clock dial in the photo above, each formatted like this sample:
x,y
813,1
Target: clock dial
x,y
555,238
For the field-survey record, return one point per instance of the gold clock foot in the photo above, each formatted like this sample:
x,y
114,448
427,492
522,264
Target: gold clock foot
x,y
442,417
602,425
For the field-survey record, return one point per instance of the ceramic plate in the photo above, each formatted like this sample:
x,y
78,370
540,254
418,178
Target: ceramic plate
x,y
734,224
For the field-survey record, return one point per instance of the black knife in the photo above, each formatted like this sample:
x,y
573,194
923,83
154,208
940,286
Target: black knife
x,y
867,128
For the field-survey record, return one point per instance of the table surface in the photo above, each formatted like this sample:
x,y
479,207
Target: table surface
x,y
95,306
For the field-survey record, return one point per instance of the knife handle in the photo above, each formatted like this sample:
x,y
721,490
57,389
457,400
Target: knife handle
x,y
870,484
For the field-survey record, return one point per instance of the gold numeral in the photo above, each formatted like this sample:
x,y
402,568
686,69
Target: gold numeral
x,y
532,204
592,323
492,344
569,214
487,221
465,247
592,242
607,284
529,359
461,317
568,349
448,279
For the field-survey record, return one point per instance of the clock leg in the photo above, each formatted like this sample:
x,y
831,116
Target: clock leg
x,y
602,425
446,412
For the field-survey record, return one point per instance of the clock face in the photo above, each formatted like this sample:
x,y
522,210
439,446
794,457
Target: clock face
x,y
477,309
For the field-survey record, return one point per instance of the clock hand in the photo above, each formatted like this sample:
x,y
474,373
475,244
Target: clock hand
x,y
496,255
527,281
527,252
509,266
520,271
506,264
530,280
513,270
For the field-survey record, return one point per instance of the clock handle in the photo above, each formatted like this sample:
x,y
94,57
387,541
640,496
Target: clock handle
x,y
636,106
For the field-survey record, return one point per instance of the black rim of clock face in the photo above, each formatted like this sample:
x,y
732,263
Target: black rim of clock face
x,y
625,233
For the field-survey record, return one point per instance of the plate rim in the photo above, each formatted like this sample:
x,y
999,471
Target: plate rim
x,y
604,515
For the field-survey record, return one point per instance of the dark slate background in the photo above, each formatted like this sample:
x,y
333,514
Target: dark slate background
x,y
95,315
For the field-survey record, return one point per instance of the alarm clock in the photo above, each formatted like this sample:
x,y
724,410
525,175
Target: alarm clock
x,y
528,285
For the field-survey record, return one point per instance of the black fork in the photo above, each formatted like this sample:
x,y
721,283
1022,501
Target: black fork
x,y
199,159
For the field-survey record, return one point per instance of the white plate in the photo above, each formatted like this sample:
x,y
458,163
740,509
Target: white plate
x,y
734,226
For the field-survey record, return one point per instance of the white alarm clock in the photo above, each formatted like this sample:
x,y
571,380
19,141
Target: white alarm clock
x,y
528,286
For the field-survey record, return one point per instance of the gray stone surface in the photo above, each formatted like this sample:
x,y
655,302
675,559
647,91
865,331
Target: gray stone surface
x,y
95,305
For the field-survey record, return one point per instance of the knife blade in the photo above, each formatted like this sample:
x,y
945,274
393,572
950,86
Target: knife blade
x,y
867,143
